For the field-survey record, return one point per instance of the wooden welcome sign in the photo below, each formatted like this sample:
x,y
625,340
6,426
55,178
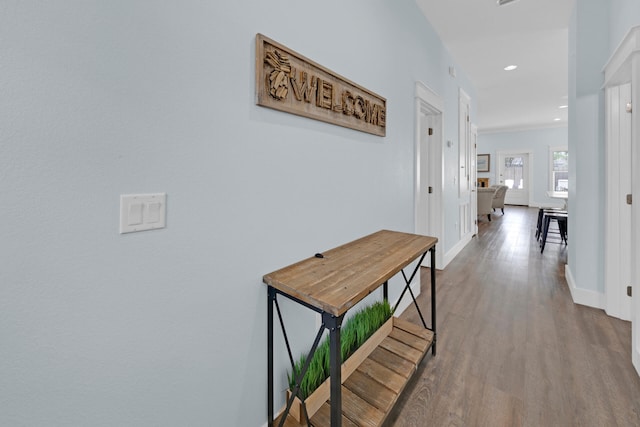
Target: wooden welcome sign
x,y
287,81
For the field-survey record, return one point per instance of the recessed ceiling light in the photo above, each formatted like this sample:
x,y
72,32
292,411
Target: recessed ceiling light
x,y
557,119
563,106
510,67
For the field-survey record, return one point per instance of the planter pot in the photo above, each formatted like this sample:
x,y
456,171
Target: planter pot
x,y
322,393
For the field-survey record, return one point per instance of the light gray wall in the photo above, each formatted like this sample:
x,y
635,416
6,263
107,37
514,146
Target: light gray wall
x,y
596,29
167,327
586,143
623,15
537,141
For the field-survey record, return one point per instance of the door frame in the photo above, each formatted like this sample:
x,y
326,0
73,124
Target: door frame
x,y
529,153
624,67
428,102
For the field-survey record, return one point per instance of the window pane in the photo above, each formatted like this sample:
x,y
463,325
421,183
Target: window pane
x,y
560,161
560,171
561,181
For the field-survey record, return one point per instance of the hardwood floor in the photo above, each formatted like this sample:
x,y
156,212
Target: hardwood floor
x,y
513,349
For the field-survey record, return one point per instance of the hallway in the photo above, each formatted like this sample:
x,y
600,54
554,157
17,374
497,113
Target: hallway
x,y
513,349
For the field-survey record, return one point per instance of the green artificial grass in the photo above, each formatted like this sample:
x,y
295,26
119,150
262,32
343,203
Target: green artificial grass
x,y
355,331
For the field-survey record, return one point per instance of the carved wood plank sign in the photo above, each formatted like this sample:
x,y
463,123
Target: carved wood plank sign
x,y
287,81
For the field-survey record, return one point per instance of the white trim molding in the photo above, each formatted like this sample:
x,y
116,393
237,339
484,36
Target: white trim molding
x,y
583,296
618,69
429,96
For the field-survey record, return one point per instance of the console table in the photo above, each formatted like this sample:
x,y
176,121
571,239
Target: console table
x,y
332,282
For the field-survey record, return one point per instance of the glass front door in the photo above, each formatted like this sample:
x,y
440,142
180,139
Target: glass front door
x,y
513,171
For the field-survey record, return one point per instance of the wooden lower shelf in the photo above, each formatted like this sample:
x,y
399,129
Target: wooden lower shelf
x,y
369,393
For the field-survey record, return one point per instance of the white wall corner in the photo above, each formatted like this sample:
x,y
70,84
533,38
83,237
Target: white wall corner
x,y
583,296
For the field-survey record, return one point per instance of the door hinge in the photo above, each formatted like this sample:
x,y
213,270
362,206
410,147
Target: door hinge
x,y
430,131
430,189
629,199
629,291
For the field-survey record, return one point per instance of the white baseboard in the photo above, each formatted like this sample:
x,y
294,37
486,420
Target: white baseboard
x,y
583,296
454,251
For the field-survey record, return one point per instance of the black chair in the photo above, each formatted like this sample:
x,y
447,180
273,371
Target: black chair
x,y
540,224
560,217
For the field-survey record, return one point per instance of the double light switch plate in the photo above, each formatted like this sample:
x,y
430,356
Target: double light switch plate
x,y
140,212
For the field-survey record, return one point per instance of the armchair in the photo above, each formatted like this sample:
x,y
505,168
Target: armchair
x,y
498,198
485,198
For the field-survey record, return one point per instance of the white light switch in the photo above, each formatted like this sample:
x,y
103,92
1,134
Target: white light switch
x,y
153,210
139,212
135,214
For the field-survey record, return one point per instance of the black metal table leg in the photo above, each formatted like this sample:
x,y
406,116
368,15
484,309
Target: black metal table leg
x,y
433,299
385,291
271,295
333,323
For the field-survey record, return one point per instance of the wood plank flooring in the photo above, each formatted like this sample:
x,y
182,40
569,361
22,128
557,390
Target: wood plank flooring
x,y
513,349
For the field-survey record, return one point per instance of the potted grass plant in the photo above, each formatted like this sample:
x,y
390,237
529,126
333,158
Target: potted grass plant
x,y
369,325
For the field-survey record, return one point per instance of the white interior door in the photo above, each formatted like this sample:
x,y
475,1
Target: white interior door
x,y
474,175
635,207
624,67
429,170
514,172
466,221
618,260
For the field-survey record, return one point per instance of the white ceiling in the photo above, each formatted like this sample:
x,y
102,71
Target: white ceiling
x,y
483,38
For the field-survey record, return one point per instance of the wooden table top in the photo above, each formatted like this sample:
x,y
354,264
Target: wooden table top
x,y
349,272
